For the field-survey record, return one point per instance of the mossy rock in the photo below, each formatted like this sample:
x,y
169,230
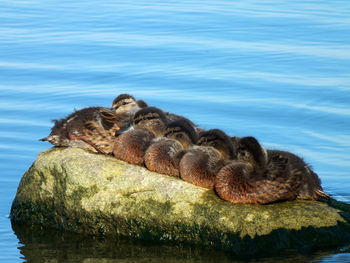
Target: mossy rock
x,y
75,190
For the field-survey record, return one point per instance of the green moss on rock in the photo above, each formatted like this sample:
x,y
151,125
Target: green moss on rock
x,y
75,190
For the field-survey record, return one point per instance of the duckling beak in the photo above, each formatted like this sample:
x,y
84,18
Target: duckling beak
x,y
50,138
124,129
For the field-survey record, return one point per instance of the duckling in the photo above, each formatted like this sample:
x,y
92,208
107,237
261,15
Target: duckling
x,y
246,179
94,128
164,154
201,163
133,140
260,176
127,104
310,187
90,128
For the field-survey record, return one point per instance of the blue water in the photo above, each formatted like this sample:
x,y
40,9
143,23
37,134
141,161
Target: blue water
x,y
277,70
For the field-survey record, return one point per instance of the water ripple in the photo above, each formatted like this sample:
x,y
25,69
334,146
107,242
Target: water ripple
x,y
274,70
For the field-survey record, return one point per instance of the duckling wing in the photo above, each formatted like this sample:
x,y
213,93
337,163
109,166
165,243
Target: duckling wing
x,y
200,165
132,145
237,183
110,119
163,156
277,166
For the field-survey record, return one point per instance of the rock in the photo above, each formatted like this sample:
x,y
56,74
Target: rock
x,y
71,189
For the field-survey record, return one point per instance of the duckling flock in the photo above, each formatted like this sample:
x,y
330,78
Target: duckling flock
x,y
240,170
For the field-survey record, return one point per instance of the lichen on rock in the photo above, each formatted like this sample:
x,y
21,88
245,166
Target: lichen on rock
x,y
71,189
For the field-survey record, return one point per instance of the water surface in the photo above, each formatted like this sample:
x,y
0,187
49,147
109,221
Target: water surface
x,y
275,70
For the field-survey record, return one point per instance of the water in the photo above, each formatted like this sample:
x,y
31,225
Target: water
x,y
278,71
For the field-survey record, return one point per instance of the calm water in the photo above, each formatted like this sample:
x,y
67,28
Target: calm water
x,y
278,71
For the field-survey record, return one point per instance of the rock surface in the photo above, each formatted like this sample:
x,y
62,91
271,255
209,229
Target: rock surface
x,y
75,190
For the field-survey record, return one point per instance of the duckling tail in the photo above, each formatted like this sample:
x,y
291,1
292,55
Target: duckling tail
x,y
54,139
322,195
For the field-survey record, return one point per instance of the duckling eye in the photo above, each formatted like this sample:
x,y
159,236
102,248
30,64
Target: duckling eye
x,y
179,136
157,122
124,103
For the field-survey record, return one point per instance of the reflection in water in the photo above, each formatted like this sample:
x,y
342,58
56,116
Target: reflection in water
x,y
49,245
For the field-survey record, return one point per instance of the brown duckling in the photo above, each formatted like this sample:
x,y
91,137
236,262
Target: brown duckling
x,y
94,128
127,104
133,140
260,176
310,186
91,128
164,154
201,163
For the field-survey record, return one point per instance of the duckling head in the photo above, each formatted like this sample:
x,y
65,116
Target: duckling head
x,y
126,103
250,151
58,135
182,131
219,140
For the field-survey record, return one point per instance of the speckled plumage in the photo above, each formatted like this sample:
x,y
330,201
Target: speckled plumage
x,y
94,128
91,128
310,185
